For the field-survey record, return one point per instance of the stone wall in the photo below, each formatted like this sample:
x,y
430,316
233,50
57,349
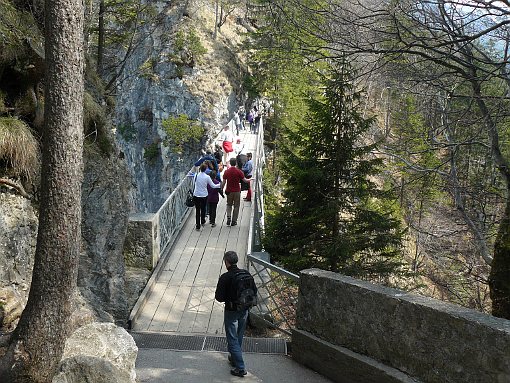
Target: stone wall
x,y
370,327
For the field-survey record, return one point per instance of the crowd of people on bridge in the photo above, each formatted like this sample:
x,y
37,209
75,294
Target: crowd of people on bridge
x,y
226,172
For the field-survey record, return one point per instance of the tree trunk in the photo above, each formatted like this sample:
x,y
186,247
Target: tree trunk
x,y
216,20
37,344
100,38
499,278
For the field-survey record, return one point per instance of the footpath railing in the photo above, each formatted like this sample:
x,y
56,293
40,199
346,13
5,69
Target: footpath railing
x,y
277,288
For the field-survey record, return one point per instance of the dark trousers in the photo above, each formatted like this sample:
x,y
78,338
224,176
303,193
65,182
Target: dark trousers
x,y
200,204
212,211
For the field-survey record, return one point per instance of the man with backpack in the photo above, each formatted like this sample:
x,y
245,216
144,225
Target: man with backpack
x,y
237,289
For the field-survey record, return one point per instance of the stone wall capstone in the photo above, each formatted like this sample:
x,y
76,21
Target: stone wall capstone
x,y
430,340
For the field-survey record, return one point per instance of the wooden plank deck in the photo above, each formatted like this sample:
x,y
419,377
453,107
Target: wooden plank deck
x,y
182,300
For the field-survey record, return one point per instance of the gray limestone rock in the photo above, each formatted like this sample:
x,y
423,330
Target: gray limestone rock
x,y
18,231
104,224
99,353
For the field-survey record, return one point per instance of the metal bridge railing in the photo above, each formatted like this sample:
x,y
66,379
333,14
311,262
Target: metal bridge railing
x,y
277,287
277,293
170,215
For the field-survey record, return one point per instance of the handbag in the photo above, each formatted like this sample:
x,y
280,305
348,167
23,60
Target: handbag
x,y
189,199
190,202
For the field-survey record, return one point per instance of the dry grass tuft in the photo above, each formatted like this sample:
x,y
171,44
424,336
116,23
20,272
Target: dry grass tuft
x,y
19,148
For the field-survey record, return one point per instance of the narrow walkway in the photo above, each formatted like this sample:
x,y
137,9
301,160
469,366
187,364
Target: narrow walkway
x,y
182,307
182,300
165,366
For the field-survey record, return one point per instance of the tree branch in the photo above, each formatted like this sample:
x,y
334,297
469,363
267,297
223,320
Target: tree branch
x,y
19,188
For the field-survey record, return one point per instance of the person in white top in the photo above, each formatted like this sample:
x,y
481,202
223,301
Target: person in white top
x,y
237,121
239,147
227,138
200,194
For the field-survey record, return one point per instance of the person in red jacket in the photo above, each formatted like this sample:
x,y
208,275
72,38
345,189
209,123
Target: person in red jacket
x,y
232,177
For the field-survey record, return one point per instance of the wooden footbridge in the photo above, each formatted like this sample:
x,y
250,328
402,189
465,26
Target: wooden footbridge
x,y
181,299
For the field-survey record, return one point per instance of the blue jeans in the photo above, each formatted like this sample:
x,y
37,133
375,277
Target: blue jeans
x,y
235,324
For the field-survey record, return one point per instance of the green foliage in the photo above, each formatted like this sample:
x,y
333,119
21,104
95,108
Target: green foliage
x,y
188,47
19,148
151,152
332,214
250,86
127,132
181,130
125,18
148,69
283,66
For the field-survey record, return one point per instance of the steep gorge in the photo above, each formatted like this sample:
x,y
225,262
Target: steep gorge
x,y
120,176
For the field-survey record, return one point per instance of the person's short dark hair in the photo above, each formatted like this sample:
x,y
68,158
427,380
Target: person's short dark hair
x,y
203,167
231,257
212,174
249,155
233,162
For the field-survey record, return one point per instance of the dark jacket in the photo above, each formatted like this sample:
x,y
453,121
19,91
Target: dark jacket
x,y
208,157
213,196
224,291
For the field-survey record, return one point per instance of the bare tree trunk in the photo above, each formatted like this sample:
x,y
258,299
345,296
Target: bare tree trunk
x,y
216,20
37,344
499,277
100,38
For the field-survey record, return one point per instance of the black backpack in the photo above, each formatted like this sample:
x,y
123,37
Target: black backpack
x,y
245,290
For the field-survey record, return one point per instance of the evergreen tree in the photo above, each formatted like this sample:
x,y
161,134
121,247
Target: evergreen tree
x,y
333,216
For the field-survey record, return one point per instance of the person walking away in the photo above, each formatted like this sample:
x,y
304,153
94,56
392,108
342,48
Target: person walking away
x,y
256,122
232,177
248,173
237,121
200,194
249,117
242,116
213,198
235,317
227,139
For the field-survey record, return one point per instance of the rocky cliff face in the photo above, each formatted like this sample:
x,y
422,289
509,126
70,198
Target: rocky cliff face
x,y
18,231
104,222
207,89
